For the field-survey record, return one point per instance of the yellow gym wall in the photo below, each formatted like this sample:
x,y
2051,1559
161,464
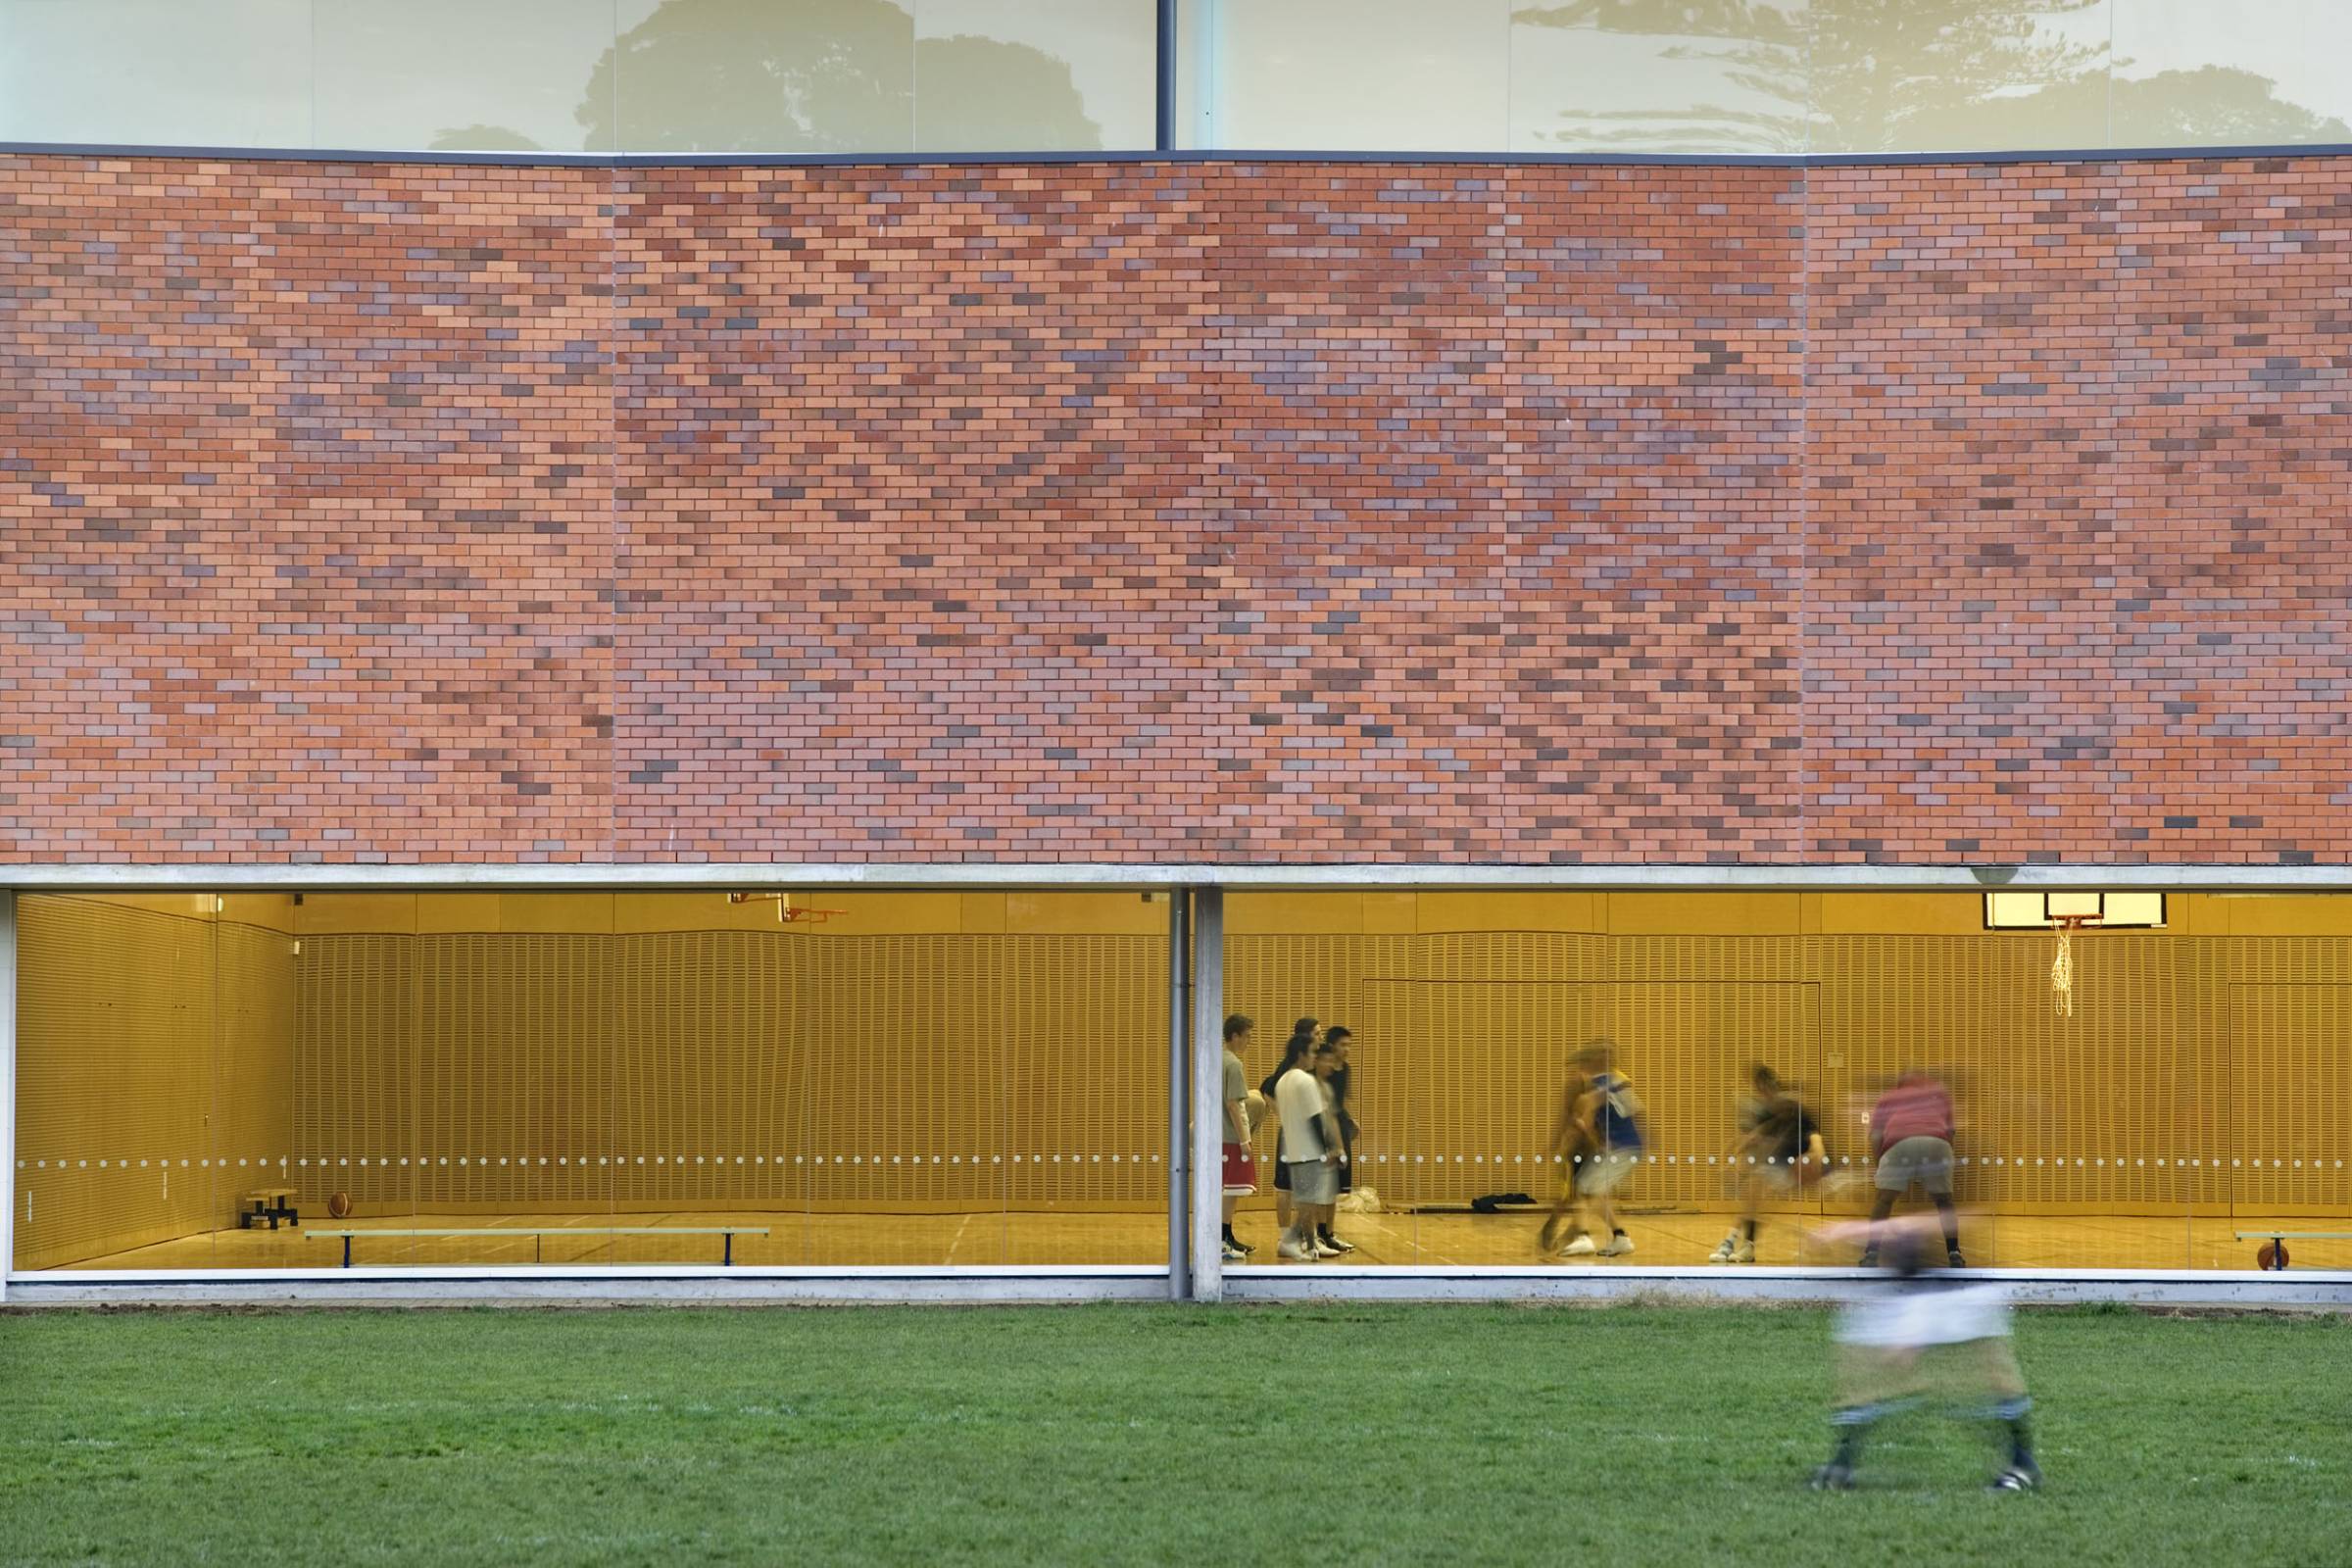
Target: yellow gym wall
x,y
155,1066
669,1050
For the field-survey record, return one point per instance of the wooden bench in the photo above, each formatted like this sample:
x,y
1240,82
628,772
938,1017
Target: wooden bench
x,y
272,1203
2278,1239
537,1231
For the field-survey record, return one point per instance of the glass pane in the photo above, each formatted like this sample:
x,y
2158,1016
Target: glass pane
x,y
905,1090
228,73
999,75
2190,72
706,1105
1428,75
1659,77
2288,1144
118,1159
1081,982
757,77
1940,76
257,1003
2176,1117
457,76
355,1113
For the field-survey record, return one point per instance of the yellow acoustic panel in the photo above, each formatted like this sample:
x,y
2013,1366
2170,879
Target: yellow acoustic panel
x,y
185,905
354,1085
1509,911
561,913
1127,914
2284,914
270,911
1945,914
717,1068
458,912
348,914
152,1082
1634,913
980,914
2292,1142
1281,913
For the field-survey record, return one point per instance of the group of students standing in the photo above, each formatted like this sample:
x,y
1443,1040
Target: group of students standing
x,y
1315,1147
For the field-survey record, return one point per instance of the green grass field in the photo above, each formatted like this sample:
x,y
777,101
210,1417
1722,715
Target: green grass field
x,y
1344,1434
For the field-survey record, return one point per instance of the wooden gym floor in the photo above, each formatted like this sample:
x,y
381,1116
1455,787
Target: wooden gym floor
x,y
822,1240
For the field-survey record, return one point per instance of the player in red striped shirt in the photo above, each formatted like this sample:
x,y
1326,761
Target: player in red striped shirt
x,y
1911,1132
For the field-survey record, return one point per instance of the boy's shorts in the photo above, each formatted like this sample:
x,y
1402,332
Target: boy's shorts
x,y
1312,1181
1241,1171
1602,1174
1924,1160
1908,1317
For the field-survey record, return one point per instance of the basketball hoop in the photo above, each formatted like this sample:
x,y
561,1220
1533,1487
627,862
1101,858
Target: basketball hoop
x,y
787,912
2062,964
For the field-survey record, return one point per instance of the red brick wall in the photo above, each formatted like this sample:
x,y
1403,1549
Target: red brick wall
x,y
1295,513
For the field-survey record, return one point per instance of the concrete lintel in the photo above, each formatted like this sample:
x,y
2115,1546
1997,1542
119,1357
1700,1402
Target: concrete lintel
x,y
1230,875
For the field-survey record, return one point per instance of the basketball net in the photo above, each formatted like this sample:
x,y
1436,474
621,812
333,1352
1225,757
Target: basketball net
x,y
2062,964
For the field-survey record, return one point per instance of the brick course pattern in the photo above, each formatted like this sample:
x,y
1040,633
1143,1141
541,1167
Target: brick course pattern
x,y
1145,513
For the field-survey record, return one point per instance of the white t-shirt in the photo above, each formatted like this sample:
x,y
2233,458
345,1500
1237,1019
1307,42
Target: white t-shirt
x,y
1298,1096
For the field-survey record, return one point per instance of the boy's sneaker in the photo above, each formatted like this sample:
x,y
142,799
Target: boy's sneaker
x,y
1294,1253
1234,1254
1953,1259
1868,1260
1725,1250
1579,1246
1832,1478
1619,1244
1744,1254
1334,1243
2017,1477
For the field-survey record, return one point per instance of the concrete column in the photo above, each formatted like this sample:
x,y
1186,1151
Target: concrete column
x,y
1179,1095
8,1086
1209,1080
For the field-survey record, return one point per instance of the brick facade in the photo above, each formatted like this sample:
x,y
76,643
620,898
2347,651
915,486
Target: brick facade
x,y
1140,513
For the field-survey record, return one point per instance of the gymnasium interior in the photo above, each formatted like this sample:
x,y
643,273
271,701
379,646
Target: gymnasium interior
x,y
960,1080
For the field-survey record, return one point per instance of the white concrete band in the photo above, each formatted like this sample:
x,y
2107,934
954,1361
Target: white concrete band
x,y
973,874
2312,1291
773,1287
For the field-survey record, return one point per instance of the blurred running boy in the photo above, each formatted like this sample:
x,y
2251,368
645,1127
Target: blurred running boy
x,y
1780,1148
1890,1339
1614,1137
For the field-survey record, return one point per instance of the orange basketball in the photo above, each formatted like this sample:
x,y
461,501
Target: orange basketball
x,y
339,1205
2273,1255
